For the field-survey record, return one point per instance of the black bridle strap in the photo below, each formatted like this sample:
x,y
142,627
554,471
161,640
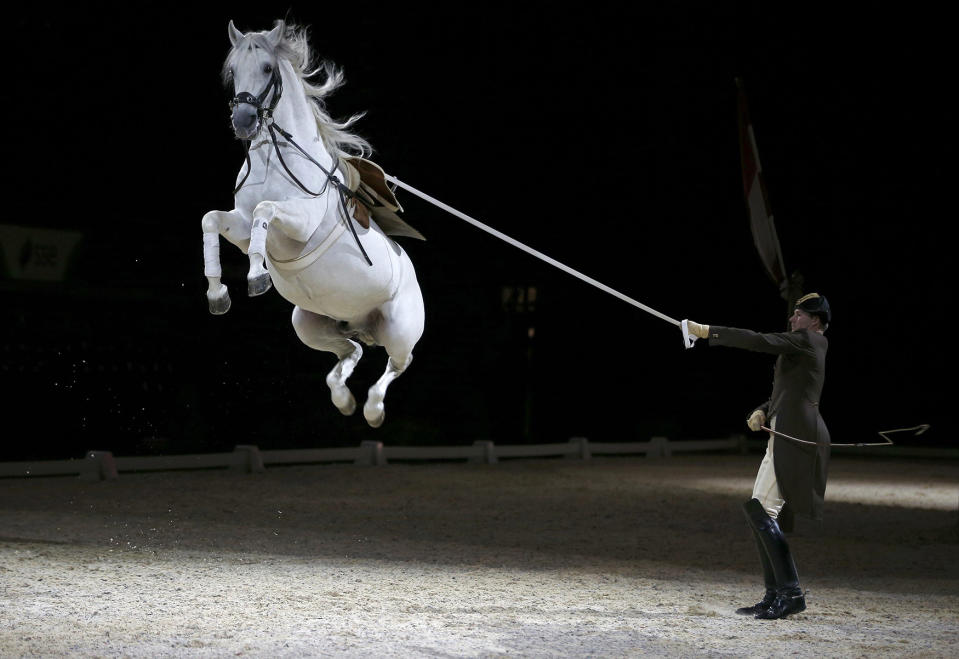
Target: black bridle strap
x,y
274,129
276,84
249,167
343,191
330,175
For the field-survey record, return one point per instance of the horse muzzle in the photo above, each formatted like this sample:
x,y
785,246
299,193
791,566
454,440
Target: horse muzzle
x,y
246,120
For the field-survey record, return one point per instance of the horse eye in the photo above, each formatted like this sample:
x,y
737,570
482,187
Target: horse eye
x,y
267,68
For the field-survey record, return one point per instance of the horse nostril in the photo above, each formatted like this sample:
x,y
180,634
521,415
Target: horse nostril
x,y
244,117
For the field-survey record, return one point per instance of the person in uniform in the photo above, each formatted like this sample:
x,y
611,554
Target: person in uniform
x,y
792,471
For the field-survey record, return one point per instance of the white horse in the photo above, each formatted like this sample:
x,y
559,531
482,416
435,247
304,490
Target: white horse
x,y
299,226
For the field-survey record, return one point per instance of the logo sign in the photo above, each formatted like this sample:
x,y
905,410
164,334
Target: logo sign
x,y
36,254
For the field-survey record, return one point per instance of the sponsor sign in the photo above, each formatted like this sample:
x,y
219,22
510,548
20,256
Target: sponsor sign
x,y
36,254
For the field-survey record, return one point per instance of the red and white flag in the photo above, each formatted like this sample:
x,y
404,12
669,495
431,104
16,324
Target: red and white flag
x,y
757,202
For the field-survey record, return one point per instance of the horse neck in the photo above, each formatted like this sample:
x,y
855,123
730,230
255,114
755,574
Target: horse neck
x,y
294,114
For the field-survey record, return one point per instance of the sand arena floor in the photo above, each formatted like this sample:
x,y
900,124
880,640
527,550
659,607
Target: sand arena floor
x,y
611,557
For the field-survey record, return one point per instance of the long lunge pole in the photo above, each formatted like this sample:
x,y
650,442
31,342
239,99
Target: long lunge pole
x,y
529,250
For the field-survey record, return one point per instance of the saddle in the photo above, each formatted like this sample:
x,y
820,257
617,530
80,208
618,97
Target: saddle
x,y
373,197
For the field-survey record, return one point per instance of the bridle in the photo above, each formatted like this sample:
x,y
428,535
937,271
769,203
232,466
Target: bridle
x,y
264,114
274,84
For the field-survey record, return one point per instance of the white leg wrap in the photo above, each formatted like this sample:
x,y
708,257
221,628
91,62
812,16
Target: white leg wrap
x,y
258,237
211,255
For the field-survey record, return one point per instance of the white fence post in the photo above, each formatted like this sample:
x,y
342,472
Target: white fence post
x,y
489,452
371,453
580,448
247,459
659,448
99,466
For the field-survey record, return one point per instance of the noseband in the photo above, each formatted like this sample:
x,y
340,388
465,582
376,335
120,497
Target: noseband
x,y
274,84
265,114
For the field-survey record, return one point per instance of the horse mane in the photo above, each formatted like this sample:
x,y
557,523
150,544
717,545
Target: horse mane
x,y
294,47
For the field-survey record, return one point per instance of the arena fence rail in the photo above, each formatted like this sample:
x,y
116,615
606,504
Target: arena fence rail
x,y
246,458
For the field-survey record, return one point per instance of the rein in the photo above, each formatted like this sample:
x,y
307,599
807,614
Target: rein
x,y
265,114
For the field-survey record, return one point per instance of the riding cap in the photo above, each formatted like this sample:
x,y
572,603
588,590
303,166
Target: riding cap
x,y
815,305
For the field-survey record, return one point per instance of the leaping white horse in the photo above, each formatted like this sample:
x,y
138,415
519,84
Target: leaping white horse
x,y
295,217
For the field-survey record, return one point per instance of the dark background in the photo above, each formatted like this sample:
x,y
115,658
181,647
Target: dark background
x,y
604,137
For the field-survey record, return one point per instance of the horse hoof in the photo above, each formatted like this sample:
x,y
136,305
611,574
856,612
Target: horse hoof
x,y
219,305
347,406
259,284
375,415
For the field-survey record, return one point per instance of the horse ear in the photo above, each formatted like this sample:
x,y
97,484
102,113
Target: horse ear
x,y
235,35
273,38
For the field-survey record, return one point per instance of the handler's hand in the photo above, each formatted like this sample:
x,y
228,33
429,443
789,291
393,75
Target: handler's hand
x,y
697,330
755,420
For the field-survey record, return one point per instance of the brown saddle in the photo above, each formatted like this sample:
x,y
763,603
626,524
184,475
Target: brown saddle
x,y
367,180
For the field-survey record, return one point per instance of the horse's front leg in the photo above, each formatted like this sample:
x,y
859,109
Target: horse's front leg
x,y
235,228
258,279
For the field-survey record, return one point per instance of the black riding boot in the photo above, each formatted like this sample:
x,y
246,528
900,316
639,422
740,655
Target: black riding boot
x,y
768,577
788,596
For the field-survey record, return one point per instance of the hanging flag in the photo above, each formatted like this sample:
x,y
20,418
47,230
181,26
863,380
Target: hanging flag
x,y
757,202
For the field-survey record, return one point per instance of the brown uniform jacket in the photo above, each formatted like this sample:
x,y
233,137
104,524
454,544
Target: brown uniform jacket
x,y
800,371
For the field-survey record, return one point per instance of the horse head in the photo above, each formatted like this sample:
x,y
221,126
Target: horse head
x,y
252,68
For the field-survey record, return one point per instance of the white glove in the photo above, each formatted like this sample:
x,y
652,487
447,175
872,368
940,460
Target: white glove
x,y
756,420
697,330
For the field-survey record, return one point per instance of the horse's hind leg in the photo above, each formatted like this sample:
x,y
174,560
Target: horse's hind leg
x,y
398,330
374,410
321,333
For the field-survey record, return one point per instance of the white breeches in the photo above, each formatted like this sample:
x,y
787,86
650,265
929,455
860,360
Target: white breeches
x,y
766,489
